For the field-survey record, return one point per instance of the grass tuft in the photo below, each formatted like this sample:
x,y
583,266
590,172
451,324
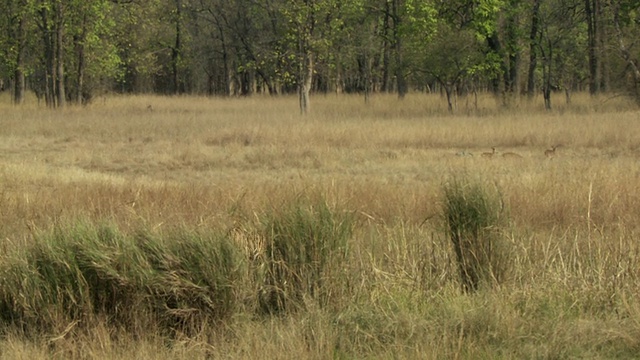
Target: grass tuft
x,y
305,245
472,214
83,272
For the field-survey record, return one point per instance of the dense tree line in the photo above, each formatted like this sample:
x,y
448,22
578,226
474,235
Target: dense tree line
x,y
66,51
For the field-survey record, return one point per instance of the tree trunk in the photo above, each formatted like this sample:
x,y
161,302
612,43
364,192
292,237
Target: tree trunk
x,y
60,89
225,59
546,75
603,22
512,83
176,51
533,44
592,38
448,91
397,39
18,74
18,86
498,83
80,58
386,50
305,81
49,74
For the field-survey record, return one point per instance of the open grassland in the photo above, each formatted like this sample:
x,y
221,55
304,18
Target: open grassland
x,y
152,227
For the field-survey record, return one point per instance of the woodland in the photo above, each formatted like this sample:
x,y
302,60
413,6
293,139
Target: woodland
x,y
70,51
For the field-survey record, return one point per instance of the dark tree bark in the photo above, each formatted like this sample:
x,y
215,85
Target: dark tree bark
x,y
603,27
497,84
79,42
61,95
591,16
533,48
401,80
176,51
386,49
512,82
546,76
18,74
49,74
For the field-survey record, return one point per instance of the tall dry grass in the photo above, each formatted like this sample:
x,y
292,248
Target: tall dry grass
x,y
191,166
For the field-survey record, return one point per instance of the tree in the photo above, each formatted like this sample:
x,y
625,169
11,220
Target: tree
x,y
534,45
598,22
560,29
13,44
309,21
451,57
94,56
51,25
627,25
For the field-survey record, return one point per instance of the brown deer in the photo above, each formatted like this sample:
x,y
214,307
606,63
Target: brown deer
x,y
551,152
489,155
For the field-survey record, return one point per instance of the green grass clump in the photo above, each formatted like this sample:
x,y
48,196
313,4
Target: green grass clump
x,y
194,278
305,246
85,272
472,215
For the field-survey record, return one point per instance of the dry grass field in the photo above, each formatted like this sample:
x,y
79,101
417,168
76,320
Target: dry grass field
x,y
571,221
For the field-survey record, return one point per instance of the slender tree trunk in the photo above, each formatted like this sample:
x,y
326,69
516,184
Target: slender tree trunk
x,y
225,59
512,84
367,76
546,74
49,74
18,74
386,50
176,51
449,92
339,87
60,88
498,83
305,82
603,27
397,39
18,85
80,59
591,16
533,52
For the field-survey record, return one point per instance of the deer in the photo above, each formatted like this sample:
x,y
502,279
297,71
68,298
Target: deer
x,y
489,155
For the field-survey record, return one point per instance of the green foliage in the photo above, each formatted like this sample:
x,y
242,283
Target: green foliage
x,y
472,216
305,242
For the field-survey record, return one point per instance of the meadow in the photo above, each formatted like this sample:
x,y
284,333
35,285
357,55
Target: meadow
x,y
182,227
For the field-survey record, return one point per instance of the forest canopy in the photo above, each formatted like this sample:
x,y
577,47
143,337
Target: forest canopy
x,y
68,51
